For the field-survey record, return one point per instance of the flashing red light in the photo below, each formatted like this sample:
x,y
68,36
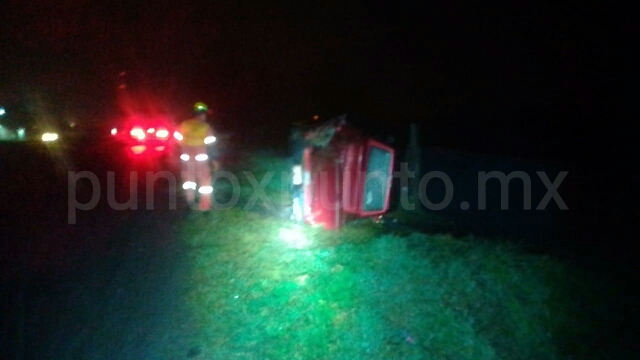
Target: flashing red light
x,y
138,149
162,133
137,133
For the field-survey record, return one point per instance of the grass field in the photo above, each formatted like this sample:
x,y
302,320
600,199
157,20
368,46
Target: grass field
x,y
263,288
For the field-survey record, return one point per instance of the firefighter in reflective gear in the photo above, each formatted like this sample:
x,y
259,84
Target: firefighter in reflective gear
x,y
195,135
297,144
296,149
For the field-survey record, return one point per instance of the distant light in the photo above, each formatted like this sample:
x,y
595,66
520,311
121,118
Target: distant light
x,y
177,136
202,157
209,140
205,189
72,124
48,137
316,117
184,157
2,111
189,185
159,148
151,130
114,131
20,133
138,149
162,133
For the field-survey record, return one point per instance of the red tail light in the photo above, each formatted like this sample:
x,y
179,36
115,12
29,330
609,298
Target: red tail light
x,y
138,149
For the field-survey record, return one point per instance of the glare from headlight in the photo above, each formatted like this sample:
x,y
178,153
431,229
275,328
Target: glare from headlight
x,y
48,137
295,238
201,157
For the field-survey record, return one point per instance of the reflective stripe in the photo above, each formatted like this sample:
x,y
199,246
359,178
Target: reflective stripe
x,y
297,175
189,185
201,157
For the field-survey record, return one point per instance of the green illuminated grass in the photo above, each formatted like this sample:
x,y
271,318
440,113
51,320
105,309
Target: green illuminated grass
x,y
258,167
361,294
364,293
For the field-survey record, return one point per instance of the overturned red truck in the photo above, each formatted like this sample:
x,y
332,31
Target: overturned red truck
x,y
346,174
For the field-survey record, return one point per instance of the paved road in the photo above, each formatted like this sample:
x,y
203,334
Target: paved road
x,y
110,286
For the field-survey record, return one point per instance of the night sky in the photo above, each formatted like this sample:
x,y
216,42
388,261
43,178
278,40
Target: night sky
x,y
521,79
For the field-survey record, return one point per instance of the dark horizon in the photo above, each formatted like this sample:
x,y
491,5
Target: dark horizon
x,y
526,80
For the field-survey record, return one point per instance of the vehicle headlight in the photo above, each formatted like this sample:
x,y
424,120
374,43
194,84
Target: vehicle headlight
x,y
48,137
209,140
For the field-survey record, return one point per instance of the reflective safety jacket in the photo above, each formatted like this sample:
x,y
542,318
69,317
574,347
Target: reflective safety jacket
x,y
194,132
